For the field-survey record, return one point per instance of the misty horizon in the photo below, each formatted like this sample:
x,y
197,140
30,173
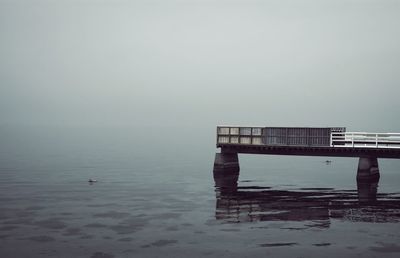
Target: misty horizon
x,y
200,63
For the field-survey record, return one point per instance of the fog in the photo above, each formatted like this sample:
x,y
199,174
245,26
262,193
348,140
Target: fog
x,y
200,63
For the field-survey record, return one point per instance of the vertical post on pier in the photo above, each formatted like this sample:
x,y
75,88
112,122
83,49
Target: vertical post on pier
x,y
368,169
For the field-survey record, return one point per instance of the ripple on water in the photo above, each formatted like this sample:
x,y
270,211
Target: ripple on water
x,y
101,255
52,223
125,239
95,225
160,243
34,208
386,248
19,221
129,225
278,244
87,236
322,244
169,215
123,229
8,228
72,232
112,215
41,239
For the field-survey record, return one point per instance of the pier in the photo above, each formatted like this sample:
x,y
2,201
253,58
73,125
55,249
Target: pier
x,y
306,141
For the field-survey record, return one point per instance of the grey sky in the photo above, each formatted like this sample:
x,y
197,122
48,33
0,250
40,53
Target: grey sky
x,y
277,63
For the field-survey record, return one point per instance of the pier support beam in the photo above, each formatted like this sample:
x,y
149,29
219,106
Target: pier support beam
x,y
368,169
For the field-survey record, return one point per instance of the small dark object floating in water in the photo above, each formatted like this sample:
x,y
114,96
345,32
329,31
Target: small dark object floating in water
x,y
92,180
328,161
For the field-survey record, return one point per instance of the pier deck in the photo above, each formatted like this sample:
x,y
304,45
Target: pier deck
x,y
388,153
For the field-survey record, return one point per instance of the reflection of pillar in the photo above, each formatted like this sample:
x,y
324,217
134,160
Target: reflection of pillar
x,y
368,169
226,179
367,191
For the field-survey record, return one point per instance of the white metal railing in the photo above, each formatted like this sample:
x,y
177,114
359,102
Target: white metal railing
x,y
365,140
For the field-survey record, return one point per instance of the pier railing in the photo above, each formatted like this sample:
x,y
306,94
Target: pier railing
x,y
365,140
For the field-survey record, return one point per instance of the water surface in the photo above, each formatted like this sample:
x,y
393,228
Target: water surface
x,y
156,197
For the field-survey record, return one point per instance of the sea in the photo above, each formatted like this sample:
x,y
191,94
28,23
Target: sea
x,y
156,194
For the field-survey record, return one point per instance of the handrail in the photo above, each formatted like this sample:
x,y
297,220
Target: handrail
x,y
365,140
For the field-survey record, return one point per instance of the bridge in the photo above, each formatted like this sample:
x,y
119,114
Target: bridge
x,y
306,141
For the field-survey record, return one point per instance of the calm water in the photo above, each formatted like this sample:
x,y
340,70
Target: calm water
x,y
156,197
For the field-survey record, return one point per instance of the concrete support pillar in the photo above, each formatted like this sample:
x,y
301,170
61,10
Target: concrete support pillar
x,y
368,169
226,172
226,160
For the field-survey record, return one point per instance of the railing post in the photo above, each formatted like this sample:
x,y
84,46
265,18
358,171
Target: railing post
x,y
352,140
376,140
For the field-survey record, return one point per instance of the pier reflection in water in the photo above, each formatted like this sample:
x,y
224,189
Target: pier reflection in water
x,y
316,207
